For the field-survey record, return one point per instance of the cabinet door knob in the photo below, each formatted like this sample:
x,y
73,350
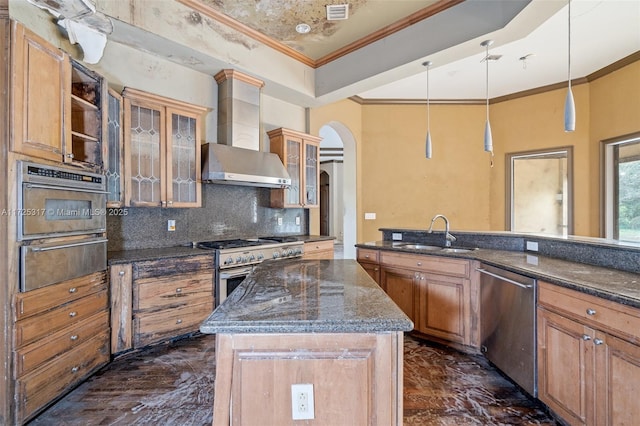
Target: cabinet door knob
x,y
74,337
170,202
591,311
179,321
598,341
586,337
72,290
178,290
73,314
70,155
366,256
419,263
75,369
376,269
121,273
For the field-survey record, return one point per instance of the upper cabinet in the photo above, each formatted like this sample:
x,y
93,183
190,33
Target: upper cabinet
x,y
58,104
162,146
300,154
114,161
42,88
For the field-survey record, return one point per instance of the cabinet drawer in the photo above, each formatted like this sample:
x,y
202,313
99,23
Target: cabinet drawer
x,y
39,387
155,326
316,246
366,255
603,314
172,266
156,293
436,264
36,327
32,356
45,298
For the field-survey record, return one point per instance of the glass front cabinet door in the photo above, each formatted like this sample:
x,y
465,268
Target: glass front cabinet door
x,y
300,154
162,142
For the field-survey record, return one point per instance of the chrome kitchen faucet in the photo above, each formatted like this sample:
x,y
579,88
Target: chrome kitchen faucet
x,y
448,238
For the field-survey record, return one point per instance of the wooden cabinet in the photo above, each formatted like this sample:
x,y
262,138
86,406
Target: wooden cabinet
x,y
88,108
300,154
61,337
318,250
435,292
156,300
41,95
58,104
588,357
368,259
162,146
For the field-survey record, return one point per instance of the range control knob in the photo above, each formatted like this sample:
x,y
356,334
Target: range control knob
x,y
260,256
276,255
252,258
229,261
238,259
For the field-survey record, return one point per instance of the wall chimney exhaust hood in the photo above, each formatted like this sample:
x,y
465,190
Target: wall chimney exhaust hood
x,y
240,166
236,159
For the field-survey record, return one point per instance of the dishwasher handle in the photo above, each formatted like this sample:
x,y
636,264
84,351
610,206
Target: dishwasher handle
x,y
510,281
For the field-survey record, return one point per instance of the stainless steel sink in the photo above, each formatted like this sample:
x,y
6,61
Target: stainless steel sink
x,y
420,247
457,250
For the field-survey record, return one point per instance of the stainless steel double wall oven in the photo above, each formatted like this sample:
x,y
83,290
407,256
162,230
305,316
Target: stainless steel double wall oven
x,y
61,224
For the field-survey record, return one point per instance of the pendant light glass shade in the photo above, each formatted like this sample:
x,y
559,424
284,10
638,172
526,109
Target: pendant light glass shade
x,y
428,139
569,104
488,139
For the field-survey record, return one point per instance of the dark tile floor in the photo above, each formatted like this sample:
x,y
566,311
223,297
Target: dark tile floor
x,y
172,384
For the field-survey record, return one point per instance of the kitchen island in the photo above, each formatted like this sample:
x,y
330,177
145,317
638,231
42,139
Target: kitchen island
x,y
323,323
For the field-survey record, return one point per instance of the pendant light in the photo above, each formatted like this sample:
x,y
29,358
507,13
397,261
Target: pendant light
x,y
569,104
488,139
428,141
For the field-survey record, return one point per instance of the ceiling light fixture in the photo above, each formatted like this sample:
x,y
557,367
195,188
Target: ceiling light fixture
x,y
569,104
428,142
303,28
488,139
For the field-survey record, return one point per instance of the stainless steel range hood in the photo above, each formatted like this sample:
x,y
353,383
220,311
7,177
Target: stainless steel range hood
x,y
239,166
236,159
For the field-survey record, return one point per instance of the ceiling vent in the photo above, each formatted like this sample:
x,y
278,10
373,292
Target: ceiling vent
x,y
337,12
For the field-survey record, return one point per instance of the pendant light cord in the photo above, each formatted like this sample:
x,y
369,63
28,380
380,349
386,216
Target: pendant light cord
x,y
569,48
428,111
486,59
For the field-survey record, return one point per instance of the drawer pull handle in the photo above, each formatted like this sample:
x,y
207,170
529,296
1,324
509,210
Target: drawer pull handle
x,y
591,311
73,290
75,369
73,314
121,273
366,256
178,290
376,269
419,263
598,341
586,337
74,337
179,321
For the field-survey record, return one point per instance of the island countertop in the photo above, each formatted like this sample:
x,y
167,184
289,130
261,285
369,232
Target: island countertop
x,y
307,296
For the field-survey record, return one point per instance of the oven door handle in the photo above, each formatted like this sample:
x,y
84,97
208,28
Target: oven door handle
x,y
62,246
227,275
64,188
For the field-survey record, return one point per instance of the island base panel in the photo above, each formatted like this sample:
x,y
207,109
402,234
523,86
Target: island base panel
x,y
356,378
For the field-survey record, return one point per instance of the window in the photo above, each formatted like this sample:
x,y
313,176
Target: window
x,y
622,188
539,188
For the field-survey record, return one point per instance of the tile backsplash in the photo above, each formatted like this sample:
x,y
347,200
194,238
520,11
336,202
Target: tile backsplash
x,y
228,211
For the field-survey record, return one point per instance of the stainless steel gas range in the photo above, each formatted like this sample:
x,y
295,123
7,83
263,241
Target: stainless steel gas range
x,y
235,259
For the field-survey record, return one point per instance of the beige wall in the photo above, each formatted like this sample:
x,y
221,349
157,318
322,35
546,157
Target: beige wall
x,y
405,190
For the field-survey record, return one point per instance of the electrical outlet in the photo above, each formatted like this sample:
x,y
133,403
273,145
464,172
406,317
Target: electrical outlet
x,y
279,221
171,225
302,407
297,220
532,246
396,236
369,216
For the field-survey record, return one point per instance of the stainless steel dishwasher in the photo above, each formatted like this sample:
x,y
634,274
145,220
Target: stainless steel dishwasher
x,y
508,324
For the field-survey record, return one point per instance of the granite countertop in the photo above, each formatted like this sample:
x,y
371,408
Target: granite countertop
x,y
307,296
139,255
618,286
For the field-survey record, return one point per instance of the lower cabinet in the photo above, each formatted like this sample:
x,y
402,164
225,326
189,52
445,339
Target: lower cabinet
x,y
368,259
436,292
156,300
62,336
318,250
588,357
